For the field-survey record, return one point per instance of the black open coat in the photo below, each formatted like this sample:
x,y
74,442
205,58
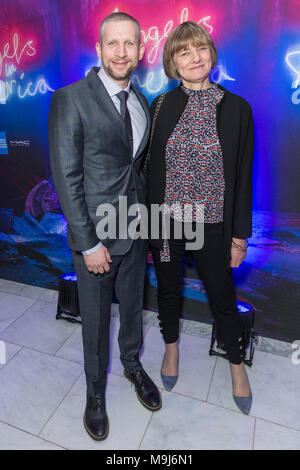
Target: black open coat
x,y
236,137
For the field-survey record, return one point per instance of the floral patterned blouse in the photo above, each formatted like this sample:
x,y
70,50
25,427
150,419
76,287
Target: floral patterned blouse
x,y
194,163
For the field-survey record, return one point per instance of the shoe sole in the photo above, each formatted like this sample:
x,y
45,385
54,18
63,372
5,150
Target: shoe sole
x,y
96,438
151,408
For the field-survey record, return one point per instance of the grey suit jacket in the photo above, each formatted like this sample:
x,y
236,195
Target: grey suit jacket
x,y
90,160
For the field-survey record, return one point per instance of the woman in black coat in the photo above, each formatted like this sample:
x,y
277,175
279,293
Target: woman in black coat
x,y
201,157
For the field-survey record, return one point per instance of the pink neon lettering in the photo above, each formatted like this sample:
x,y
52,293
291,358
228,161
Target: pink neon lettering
x,y
17,52
153,34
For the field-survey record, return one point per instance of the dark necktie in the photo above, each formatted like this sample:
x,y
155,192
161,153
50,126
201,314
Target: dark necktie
x,y
123,97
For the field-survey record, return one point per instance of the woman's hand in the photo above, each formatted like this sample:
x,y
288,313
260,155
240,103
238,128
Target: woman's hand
x,y
238,252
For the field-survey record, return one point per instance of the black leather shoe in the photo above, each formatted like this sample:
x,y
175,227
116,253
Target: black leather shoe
x,y
145,388
95,419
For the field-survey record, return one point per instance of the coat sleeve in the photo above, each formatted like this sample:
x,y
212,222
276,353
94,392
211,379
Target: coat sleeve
x,y
242,211
66,143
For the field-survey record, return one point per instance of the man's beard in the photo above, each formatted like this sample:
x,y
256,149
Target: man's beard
x,y
121,76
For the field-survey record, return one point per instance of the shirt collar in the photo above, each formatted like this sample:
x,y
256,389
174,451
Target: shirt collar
x,y
111,87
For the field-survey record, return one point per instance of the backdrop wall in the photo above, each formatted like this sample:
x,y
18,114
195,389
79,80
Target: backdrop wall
x,y
47,44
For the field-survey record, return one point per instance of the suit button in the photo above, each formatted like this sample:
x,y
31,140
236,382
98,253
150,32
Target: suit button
x,y
132,189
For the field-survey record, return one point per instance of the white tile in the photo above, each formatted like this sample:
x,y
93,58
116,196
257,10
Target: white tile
x,y
12,307
39,293
10,351
150,317
128,419
186,423
146,328
279,348
115,310
32,386
11,287
38,328
115,364
195,365
269,436
197,328
220,392
274,383
14,439
258,343
72,349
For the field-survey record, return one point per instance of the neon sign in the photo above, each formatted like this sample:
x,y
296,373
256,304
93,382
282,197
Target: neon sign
x,y
152,85
153,34
296,95
150,80
16,54
156,81
10,86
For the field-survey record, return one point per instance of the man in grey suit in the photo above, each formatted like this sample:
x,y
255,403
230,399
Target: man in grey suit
x,y
98,130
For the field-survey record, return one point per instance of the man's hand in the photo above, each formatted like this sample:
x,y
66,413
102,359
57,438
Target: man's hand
x,y
97,262
237,254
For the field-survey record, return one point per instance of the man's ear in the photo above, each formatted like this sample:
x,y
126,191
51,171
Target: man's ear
x,y
98,49
141,51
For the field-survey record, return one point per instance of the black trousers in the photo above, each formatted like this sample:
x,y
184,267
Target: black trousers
x,y
218,283
127,273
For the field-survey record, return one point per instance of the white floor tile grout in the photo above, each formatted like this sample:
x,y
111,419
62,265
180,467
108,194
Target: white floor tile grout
x,y
17,352
146,429
38,351
211,379
173,392
19,316
19,293
62,344
54,411
33,435
148,326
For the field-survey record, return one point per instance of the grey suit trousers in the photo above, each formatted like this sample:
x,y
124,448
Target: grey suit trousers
x,y
127,273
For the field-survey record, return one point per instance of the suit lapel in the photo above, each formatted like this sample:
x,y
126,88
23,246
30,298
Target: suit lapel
x,y
104,100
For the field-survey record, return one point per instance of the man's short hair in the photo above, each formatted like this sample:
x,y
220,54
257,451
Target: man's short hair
x,y
188,33
120,16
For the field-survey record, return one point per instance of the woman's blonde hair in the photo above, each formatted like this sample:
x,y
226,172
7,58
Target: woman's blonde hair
x,y
184,35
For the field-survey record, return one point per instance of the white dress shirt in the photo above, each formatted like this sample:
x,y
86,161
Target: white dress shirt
x,y
137,116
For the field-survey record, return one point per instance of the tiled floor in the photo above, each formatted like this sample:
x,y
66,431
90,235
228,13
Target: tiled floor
x,y
42,388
